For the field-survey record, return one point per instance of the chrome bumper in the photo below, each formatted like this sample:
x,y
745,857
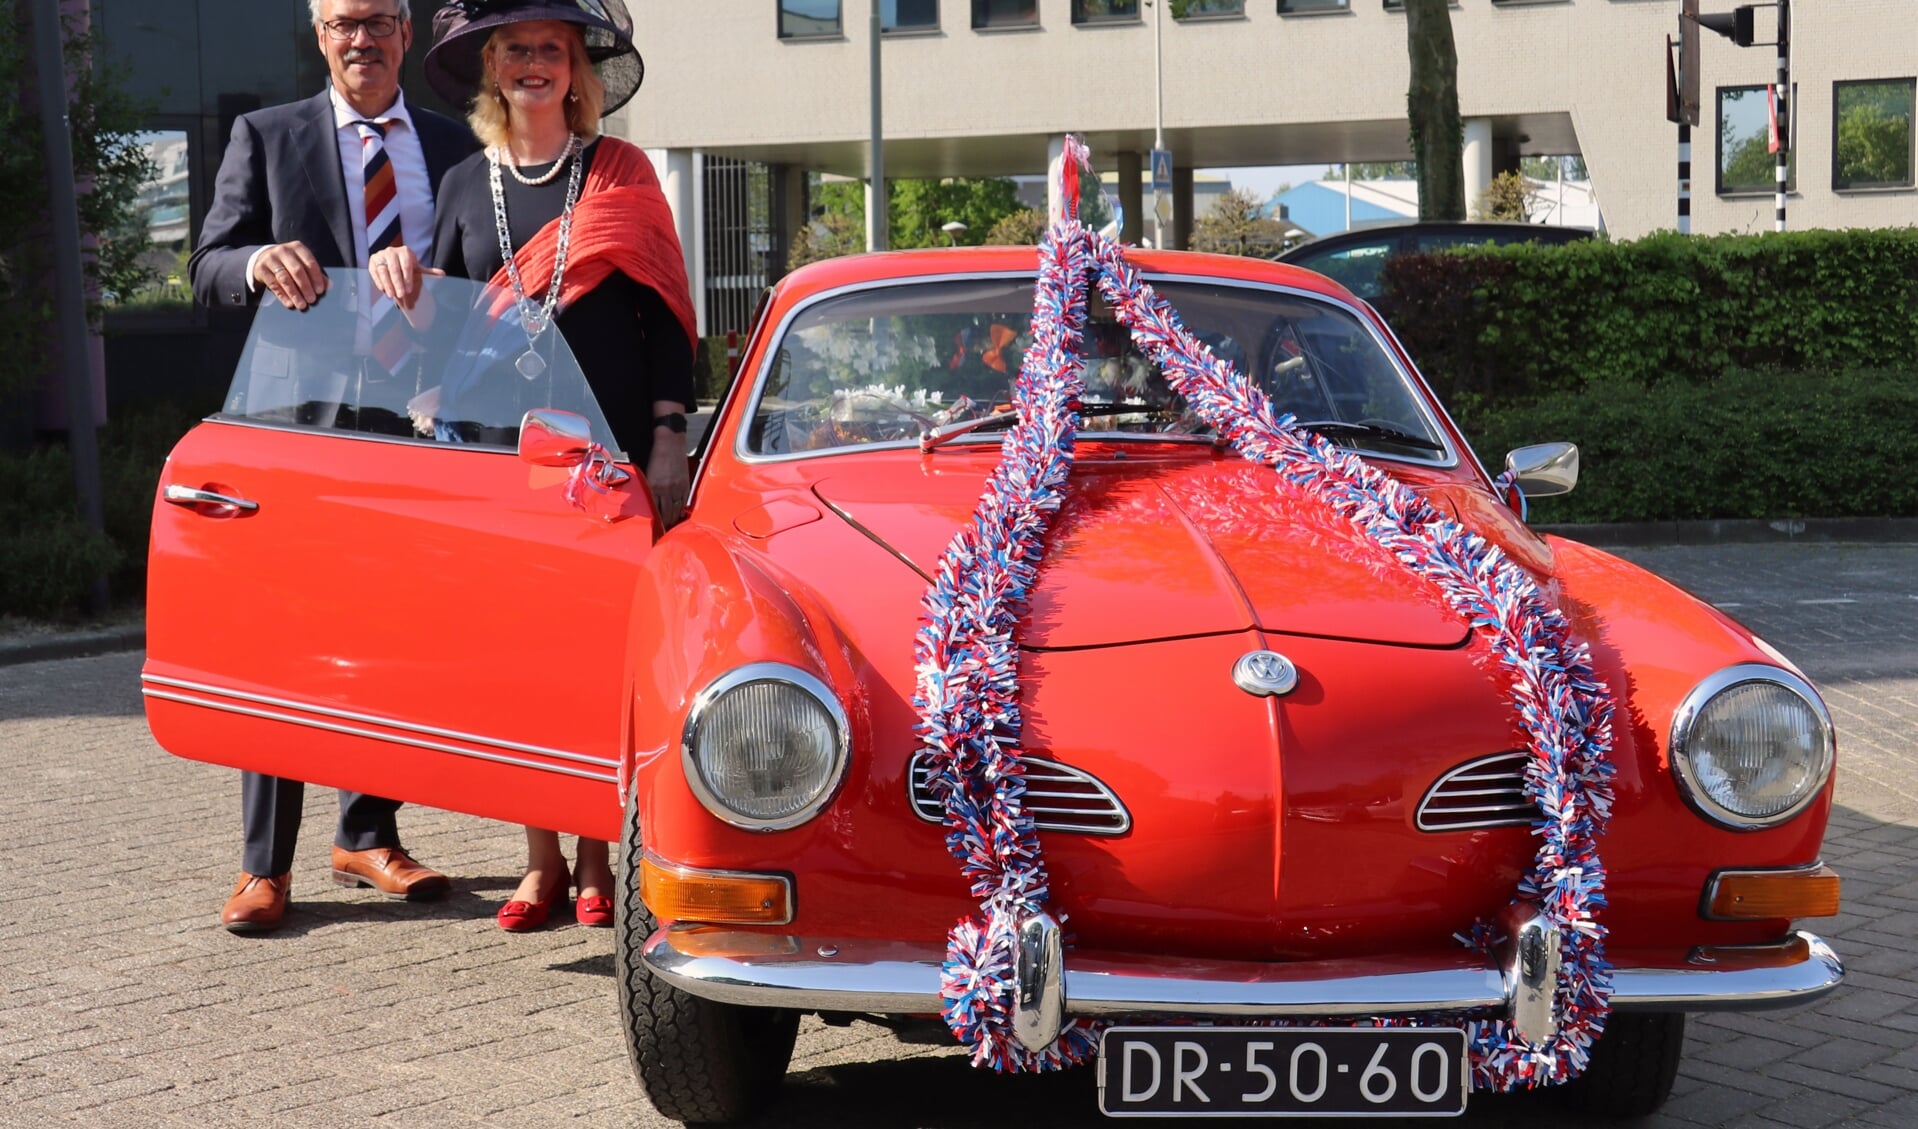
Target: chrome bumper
x,y
902,978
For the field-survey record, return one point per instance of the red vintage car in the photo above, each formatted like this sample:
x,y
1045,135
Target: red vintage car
x,y
1289,818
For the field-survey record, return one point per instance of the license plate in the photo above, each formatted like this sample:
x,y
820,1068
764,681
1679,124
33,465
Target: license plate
x,y
1282,1072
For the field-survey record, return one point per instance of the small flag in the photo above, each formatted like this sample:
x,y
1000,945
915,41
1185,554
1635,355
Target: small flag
x,y
1771,112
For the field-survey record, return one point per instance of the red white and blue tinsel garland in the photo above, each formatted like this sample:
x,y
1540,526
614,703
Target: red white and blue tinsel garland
x,y
968,666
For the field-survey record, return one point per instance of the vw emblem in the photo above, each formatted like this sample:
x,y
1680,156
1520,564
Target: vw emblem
x,y
1265,673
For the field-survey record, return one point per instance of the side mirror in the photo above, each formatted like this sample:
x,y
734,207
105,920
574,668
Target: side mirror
x,y
549,437
1544,469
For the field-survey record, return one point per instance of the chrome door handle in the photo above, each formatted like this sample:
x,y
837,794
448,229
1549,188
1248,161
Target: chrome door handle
x,y
188,496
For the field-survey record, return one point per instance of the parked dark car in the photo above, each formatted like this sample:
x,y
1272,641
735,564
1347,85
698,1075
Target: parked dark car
x,y
1356,259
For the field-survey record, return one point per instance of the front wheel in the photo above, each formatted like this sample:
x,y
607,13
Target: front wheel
x,y
698,1061
1632,1067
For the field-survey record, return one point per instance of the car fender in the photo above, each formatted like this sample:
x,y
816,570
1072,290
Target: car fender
x,y
706,604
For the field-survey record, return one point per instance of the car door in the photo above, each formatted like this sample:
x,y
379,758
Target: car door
x,y
334,598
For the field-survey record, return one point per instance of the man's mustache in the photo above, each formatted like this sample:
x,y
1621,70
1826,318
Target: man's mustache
x,y
363,55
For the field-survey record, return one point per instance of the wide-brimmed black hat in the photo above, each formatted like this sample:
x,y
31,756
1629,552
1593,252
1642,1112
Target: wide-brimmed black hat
x,y
462,27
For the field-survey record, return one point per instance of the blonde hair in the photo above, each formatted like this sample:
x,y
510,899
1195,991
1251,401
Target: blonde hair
x,y
488,114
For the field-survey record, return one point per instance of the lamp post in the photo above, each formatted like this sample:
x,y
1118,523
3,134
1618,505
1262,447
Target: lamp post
x,y
876,219
952,228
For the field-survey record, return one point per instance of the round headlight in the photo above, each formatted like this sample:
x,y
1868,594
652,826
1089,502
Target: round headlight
x,y
765,746
1751,746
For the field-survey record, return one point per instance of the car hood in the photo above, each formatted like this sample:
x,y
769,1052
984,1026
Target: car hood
x,y
1145,550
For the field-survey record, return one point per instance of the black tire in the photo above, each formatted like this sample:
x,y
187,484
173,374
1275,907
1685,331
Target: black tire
x,y
1632,1066
698,1061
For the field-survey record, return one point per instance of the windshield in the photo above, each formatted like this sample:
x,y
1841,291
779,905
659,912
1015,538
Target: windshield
x,y
883,365
457,368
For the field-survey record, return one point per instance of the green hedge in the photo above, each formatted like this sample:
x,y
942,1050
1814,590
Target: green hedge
x,y
1506,324
1746,445
48,555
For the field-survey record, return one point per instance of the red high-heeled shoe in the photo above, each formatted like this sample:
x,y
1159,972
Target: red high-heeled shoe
x,y
524,917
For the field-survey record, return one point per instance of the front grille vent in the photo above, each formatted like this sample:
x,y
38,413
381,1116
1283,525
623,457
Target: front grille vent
x,y
1488,792
1059,798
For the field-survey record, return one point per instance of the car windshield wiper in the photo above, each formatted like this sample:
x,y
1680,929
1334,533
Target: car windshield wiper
x,y
1341,429
933,437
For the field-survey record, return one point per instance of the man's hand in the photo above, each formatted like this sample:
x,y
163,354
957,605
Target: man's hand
x,y
667,474
291,273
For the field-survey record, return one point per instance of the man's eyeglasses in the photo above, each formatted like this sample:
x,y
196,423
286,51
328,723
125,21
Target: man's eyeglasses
x,y
379,27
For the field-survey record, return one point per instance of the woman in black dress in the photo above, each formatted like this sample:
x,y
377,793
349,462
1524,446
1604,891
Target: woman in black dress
x,y
576,226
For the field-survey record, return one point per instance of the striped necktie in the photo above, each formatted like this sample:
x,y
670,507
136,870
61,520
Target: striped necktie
x,y
389,341
382,194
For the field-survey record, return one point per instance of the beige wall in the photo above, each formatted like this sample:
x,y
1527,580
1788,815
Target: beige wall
x,y
1573,75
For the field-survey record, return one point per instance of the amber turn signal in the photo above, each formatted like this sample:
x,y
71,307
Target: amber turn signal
x,y
714,897
1745,895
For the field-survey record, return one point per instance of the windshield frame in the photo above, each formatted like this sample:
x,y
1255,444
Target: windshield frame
x,y
1446,459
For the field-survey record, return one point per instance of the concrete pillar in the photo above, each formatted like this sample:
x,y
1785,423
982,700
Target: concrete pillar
x,y
1131,196
793,214
679,180
1182,216
1478,162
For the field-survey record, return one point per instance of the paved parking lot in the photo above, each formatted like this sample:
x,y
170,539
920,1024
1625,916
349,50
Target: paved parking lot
x,y
122,1002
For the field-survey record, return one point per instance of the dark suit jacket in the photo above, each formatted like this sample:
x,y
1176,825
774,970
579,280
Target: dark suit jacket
x,y
281,180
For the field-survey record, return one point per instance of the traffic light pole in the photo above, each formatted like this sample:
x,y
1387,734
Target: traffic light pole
x,y
1783,170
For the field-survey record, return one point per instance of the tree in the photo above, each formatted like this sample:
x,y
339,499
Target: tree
x,y
1432,108
1547,168
1237,225
1510,196
916,214
1376,170
920,209
109,164
1874,145
828,236
1024,227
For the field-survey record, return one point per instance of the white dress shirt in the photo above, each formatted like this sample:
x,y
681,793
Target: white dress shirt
x,y
410,180
409,175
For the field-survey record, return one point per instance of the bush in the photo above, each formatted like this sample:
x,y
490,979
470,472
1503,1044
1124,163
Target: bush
x,y
1747,445
1511,323
48,555
712,374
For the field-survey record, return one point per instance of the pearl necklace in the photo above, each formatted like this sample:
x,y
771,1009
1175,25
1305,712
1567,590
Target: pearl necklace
x,y
535,319
559,162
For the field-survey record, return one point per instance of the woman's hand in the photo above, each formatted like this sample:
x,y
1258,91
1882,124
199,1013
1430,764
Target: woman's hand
x,y
667,474
397,273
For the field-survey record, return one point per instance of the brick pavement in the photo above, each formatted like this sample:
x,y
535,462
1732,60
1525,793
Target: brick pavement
x,y
123,1003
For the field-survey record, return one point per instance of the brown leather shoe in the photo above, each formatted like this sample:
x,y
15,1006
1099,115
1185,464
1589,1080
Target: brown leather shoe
x,y
391,871
258,905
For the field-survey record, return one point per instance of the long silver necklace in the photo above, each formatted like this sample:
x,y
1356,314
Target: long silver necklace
x,y
535,319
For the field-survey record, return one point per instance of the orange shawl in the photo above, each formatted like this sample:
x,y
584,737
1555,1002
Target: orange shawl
x,y
621,223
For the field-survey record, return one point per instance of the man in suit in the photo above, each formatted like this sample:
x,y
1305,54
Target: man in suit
x,y
323,183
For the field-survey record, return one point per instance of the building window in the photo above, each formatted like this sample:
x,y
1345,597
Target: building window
x,y
909,15
1308,7
809,19
1209,9
1746,163
1005,13
1105,11
164,211
1871,133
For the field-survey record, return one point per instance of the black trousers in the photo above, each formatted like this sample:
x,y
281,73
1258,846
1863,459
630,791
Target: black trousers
x,y
270,820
